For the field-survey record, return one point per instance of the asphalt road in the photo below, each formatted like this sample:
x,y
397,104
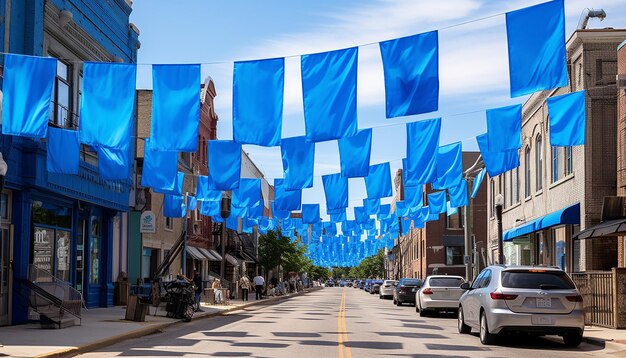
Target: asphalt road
x,y
333,322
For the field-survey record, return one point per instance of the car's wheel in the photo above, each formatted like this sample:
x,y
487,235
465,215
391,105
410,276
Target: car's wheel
x,y
486,338
572,339
423,313
463,328
398,303
394,300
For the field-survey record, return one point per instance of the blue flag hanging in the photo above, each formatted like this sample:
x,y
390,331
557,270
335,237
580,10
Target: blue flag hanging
x,y
107,104
258,88
27,94
478,181
536,45
210,208
310,213
114,164
329,90
354,154
298,160
372,206
336,191
173,206
497,162
224,164
384,212
402,209
567,116
178,186
360,215
458,195
159,168
286,200
414,196
378,182
192,202
437,202
451,210
338,216
449,166
248,194
504,128
411,69
422,144
279,214
203,193
63,155
175,107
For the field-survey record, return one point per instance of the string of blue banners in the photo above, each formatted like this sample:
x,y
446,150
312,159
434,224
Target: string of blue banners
x,y
536,52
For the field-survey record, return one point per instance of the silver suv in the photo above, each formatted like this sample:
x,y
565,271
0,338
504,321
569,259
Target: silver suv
x,y
532,299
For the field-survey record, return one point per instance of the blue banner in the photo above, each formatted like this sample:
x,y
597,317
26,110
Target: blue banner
x,y
286,200
336,191
422,144
174,206
224,164
378,182
497,162
449,166
298,160
248,194
159,168
568,118
63,155
114,164
203,193
437,202
26,95
258,88
372,206
478,181
504,128
458,195
411,69
310,213
107,104
354,154
536,45
329,90
175,107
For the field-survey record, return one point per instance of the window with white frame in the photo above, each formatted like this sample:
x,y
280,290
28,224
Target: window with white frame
x,y
538,163
568,161
61,113
556,167
527,172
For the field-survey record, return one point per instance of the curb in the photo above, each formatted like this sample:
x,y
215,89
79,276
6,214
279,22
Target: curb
x,y
70,352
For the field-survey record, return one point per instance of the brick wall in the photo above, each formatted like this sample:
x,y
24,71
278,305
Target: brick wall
x,y
621,144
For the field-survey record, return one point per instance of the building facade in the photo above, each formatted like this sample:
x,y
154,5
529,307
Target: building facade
x,y
439,247
621,140
69,225
558,191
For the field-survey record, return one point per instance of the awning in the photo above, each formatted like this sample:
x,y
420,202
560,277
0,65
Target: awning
x,y
232,260
568,215
206,253
215,254
607,228
247,257
195,254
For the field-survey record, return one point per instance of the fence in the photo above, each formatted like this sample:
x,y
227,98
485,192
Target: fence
x,y
599,299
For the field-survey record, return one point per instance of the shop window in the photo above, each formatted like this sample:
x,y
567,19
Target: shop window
x,y
455,221
538,163
568,161
527,172
4,206
94,250
454,255
61,114
169,224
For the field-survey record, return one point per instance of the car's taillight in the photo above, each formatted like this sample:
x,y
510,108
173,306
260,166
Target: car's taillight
x,y
427,291
577,298
402,288
502,296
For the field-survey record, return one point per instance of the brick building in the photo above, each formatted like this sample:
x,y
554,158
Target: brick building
x,y
621,139
439,247
558,191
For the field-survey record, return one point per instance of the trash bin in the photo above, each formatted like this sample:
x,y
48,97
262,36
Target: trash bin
x,y
136,310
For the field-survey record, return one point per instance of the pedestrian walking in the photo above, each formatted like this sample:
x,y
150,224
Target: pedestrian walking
x,y
245,284
259,282
217,285
197,281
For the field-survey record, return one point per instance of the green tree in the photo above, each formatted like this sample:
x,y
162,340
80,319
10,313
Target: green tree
x,y
276,250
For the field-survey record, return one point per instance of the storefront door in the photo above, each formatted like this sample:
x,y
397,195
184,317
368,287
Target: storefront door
x,y
5,260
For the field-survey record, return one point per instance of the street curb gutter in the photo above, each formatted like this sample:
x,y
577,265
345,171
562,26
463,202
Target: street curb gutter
x,y
70,352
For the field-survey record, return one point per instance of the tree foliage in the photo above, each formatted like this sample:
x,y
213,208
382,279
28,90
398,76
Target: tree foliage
x,y
370,267
277,250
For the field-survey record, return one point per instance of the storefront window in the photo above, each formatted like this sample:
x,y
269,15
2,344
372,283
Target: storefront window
x,y
51,238
42,248
94,250
454,255
560,248
62,259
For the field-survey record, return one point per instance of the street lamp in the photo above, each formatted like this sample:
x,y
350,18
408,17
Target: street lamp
x,y
499,204
225,213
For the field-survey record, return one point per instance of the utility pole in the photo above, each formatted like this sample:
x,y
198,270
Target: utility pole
x,y
468,219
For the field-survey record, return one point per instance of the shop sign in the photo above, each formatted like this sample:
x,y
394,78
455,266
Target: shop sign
x,y
148,222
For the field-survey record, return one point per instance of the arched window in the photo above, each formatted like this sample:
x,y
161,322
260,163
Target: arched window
x,y
527,172
538,163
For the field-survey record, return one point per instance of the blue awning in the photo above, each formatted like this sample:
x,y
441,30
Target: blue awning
x,y
568,215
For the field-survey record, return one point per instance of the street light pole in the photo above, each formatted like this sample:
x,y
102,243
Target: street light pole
x,y
499,204
225,213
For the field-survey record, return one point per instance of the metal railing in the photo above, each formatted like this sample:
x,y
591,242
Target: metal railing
x,y
53,291
596,288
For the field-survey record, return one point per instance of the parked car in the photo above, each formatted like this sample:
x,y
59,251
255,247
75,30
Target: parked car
x,y
439,293
368,284
405,290
356,283
387,288
375,286
330,283
342,283
528,299
362,284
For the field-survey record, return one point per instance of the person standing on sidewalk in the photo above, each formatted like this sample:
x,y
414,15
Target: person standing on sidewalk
x,y
245,284
197,281
259,281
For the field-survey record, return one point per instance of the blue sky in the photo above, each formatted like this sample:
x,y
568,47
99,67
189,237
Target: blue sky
x,y
472,60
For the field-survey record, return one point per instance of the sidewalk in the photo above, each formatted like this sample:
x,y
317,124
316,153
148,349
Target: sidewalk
x,y
100,327
612,339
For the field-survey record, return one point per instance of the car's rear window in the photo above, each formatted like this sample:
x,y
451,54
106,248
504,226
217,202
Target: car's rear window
x,y
411,282
445,282
538,279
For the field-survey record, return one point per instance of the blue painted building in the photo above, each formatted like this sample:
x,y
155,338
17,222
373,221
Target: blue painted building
x,y
63,223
